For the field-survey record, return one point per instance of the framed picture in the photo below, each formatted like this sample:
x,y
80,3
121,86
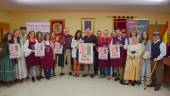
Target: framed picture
x,y
87,23
57,26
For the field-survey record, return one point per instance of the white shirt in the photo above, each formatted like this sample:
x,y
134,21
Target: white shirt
x,y
162,50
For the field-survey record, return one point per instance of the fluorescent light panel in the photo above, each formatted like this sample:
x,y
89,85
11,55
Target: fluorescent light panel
x,y
91,1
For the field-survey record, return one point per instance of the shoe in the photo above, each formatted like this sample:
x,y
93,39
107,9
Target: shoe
x,y
61,74
33,79
70,73
92,76
109,78
38,78
85,75
138,82
41,77
114,74
116,79
151,85
157,88
122,82
133,83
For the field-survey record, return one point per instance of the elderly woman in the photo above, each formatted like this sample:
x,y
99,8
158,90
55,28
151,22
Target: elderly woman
x,y
132,67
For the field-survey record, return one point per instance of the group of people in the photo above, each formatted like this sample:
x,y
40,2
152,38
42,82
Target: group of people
x,y
138,53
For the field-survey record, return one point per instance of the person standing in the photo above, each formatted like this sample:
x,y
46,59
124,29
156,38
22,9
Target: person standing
x,y
39,39
104,41
133,67
21,68
90,38
52,41
32,61
146,55
7,65
118,63
67,50
48,59
158,52
75,52
24,33
113,37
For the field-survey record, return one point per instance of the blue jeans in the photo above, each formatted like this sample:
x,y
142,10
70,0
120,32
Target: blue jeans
x,y
105,71
47,72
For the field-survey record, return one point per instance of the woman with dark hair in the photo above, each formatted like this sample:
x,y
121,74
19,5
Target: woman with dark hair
x,y
39,39
33,62
7,66
48,59
75,44
52,41
21,68
146,56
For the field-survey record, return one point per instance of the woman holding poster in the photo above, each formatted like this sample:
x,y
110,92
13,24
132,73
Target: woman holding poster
x,y
118,62
61,56
104,63
75,52
32,61
48,59
21,68
39,40
7,65
133,65
52,42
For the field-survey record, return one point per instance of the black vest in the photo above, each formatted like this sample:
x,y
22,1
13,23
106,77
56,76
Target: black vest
x,y
155,51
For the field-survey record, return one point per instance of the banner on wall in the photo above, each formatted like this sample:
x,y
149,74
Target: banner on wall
x,y
140,25
14,51
103,53
86,53
38,26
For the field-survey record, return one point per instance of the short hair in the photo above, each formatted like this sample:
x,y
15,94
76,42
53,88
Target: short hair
x,y
23,28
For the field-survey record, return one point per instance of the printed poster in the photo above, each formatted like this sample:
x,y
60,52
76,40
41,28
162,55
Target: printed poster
x,y
14,51
114,51
58,48
39,49
86,53
103,53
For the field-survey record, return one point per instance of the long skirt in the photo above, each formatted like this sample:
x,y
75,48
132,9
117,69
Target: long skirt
x,y
7,69
132,69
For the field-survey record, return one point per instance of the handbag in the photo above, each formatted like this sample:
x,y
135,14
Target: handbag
x,y
166,61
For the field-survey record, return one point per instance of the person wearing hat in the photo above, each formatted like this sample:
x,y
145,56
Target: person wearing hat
x,y
158,51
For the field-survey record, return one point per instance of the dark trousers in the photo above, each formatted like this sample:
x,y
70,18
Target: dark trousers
x,y
105,71
96,62
47,72
157,76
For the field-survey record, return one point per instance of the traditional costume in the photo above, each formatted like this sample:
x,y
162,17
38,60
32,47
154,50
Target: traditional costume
x,y
7,65
118,63
104,64
48,60
32,61
21,67
133,66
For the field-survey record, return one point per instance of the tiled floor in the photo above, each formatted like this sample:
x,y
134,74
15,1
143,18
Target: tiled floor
x,y
70,86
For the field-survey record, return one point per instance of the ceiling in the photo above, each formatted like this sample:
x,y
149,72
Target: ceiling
x,y
162,6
